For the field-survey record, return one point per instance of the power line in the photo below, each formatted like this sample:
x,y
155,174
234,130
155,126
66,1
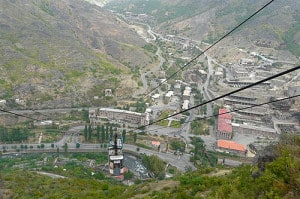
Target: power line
x,y
233,111
230,93
19,115
215,43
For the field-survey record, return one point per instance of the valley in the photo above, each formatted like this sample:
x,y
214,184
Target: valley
x,y
152,73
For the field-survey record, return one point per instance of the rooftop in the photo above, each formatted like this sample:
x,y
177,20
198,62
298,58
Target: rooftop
x,y
223,114
224,121
231,145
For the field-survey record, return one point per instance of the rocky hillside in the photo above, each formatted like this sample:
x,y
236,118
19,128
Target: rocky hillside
x,y
62,53
278,26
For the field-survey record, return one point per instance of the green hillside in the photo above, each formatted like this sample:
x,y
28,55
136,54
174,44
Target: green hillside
x,y
208,20
64,50
267,178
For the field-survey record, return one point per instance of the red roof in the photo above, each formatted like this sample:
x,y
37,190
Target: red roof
x,y
224,121
231,145
223,114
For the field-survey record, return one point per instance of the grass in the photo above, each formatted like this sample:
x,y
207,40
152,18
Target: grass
x,y
143,146
290,40
74,74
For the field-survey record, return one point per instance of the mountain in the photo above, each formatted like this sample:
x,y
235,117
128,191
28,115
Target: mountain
x,y
277,26
62,53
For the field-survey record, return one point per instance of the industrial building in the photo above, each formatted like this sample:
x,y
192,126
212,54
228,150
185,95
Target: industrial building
x,y
224,130
97,115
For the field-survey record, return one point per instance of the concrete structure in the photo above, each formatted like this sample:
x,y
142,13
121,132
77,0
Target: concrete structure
x,y
187,93
170,94
240,72
236,83
246,62
241,100
20,102
177,89
284,105
202,72
185,104
155,96
108,93
224,130
260,111
116,157
260,131
117,114
229,162
2,102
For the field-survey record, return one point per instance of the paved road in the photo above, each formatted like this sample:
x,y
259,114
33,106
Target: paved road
x,y
70,137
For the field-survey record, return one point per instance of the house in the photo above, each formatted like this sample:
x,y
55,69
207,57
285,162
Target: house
x,y
155,96
185,104
246,62
20,101
155,143
108,93
177,89
2,102
187,93
231,147
170,94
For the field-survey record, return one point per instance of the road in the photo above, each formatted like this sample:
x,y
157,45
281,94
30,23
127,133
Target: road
x,y
184,131
206,85
50,174
71,138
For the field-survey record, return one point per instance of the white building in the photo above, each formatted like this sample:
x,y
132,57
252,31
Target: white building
x,y
185,104
117,114
155,96
170,94
2,102
20,101
187,93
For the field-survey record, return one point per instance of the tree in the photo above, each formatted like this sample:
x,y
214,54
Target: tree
x,y
154,164
134,137
98,133
85,116
102,133
66,147
85,132
106,133
111,132
90,132
124,135
128,175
